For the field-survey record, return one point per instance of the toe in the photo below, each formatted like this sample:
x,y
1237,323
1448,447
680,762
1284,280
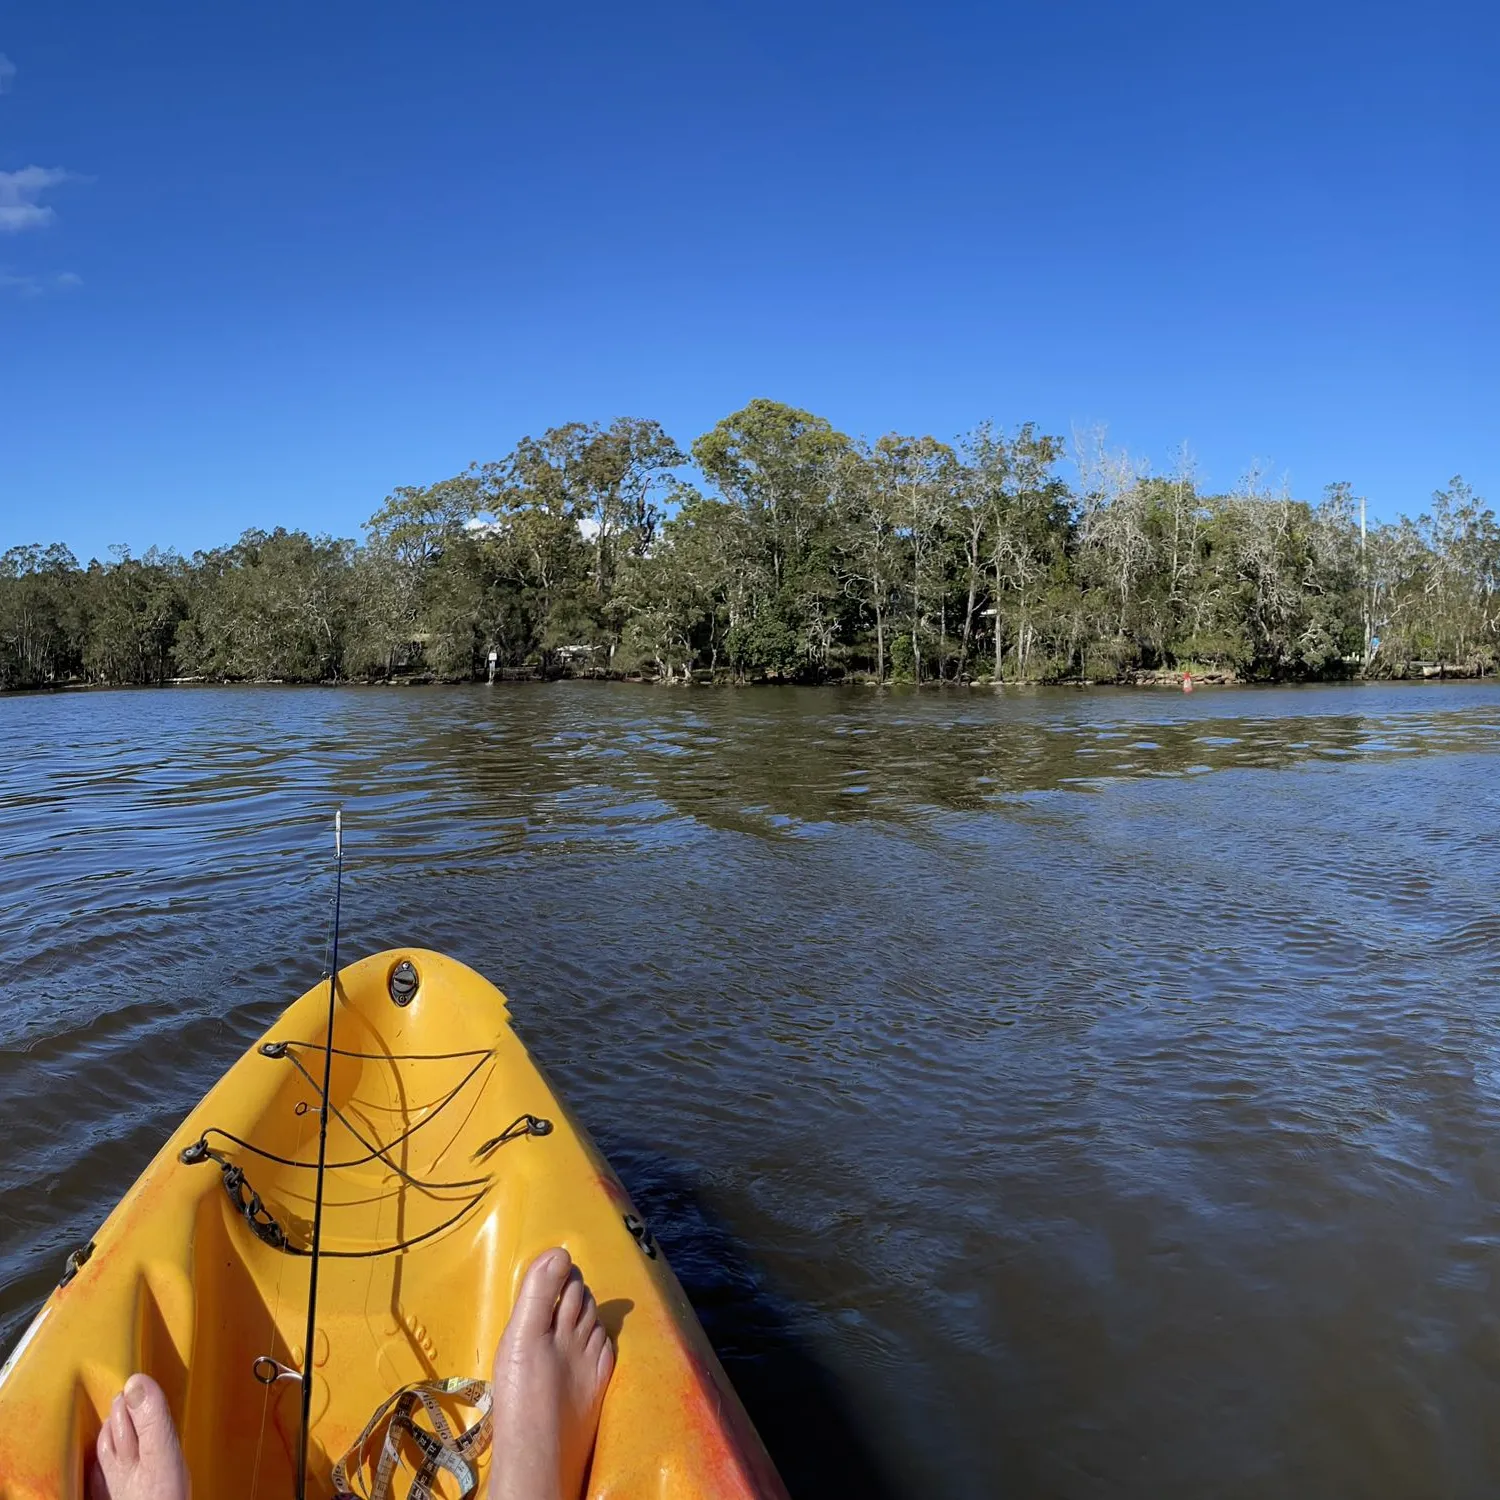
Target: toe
x,y
570,1304
122,1432
588,1316
105,1464
606,1365
596,1341
150,1418
539,1292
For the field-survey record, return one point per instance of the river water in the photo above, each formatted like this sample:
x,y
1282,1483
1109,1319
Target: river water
x,y
1046,1094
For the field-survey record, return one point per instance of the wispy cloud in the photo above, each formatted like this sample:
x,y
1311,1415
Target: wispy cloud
x,y
21,208
19,192
38,286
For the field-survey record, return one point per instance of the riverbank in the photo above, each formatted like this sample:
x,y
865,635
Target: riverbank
x,y
1161,680
807,554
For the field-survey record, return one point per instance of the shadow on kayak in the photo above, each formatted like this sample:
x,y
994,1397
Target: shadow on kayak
x,y
795,1403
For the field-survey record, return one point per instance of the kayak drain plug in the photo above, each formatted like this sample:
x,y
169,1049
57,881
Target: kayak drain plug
x,y
404,981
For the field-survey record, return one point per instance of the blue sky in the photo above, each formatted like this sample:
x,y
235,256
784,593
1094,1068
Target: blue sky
x,y
278,259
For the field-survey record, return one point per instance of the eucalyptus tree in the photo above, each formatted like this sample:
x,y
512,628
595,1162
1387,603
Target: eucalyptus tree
x,y
1336,634
1012,515
40,598
133,608
271,607
629,469
871,546
533,547
985,466
391,587
916,479
1032,535
1399,568
778,466
1113,533
1463,579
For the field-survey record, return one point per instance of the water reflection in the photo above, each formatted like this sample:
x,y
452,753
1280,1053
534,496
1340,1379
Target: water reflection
x,y
1067,1093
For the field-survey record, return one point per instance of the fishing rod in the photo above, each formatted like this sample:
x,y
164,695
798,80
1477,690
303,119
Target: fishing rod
x,y
317,1230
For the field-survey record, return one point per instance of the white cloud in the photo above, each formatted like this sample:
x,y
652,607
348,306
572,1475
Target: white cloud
x,y
7,73
36,286
19,192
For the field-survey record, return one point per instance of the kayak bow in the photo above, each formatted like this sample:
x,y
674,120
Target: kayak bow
x,y
451,1162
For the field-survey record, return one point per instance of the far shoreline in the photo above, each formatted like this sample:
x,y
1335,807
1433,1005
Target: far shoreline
x,y
1157,684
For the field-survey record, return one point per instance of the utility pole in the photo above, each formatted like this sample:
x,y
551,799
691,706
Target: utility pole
x,y
1364,582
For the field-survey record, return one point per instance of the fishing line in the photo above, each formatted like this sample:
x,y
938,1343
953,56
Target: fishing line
x,y
268,1389
317,1233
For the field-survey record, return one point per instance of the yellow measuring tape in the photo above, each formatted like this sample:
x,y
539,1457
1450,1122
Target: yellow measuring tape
x,y
366,1472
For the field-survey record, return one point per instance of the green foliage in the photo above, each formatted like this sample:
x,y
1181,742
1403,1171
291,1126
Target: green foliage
x,y
766,642
42,618
797,553
903,660
133,612
269,608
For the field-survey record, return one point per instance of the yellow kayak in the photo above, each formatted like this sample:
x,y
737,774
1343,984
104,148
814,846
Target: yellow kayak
x,y
451,1164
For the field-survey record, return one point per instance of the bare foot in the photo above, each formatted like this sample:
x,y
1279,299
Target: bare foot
x,y
139,1455
551,1368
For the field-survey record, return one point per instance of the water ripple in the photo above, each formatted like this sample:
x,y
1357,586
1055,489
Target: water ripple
x,y
1044,1092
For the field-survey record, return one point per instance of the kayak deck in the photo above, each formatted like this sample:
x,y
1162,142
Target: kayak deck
x,y
452,1163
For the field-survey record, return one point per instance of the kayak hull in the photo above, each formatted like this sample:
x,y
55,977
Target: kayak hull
x,y
452,1164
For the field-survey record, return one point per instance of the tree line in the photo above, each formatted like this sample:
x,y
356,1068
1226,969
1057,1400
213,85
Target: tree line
x,y
778,546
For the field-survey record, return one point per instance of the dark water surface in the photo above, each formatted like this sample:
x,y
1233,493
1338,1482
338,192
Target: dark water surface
x,y
1054,1094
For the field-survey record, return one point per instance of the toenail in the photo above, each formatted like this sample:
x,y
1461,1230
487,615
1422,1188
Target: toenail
x,y
135,1394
